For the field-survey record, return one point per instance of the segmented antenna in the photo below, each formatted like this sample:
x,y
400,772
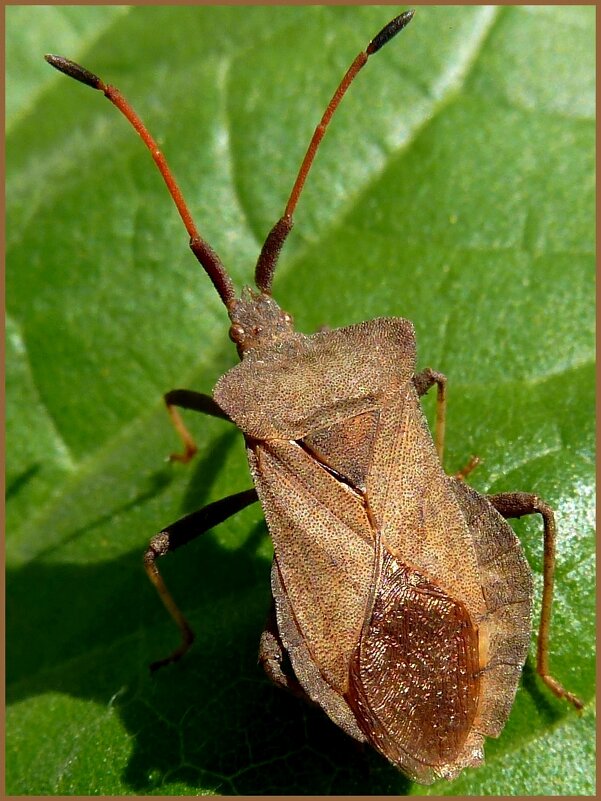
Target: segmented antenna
x,y
205,254
270,251
274,242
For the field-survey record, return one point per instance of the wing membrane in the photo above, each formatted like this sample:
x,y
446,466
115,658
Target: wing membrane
x,y
414,685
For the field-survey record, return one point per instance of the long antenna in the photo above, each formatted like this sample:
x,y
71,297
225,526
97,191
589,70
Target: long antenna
x,y
205,254
270,252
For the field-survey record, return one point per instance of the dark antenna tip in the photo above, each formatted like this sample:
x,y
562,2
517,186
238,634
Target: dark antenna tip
x,y
74,70
275,239
388,31
209,260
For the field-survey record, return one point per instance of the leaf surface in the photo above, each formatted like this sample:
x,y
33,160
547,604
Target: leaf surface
x,y
455,188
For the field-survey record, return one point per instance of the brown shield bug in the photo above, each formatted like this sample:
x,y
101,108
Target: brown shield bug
x,y
401,597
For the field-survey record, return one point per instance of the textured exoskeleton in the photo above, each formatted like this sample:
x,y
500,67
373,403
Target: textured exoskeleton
x,y
401,597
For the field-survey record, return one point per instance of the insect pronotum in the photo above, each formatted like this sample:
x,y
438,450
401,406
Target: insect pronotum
x,y
401,597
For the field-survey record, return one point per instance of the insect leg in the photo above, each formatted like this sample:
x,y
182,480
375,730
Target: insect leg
x,y
517,504
462,474
197,402
423,381
274,659
180,533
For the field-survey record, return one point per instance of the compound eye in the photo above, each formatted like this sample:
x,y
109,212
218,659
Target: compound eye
x,y
237,332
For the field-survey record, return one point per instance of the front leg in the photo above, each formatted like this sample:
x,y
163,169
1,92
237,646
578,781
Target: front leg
x,y
197,402
423,381
517,504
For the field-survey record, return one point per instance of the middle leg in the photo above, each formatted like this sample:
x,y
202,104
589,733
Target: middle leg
x,y
174,536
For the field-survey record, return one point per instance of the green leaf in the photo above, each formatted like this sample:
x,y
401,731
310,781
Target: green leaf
x,y
455,188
